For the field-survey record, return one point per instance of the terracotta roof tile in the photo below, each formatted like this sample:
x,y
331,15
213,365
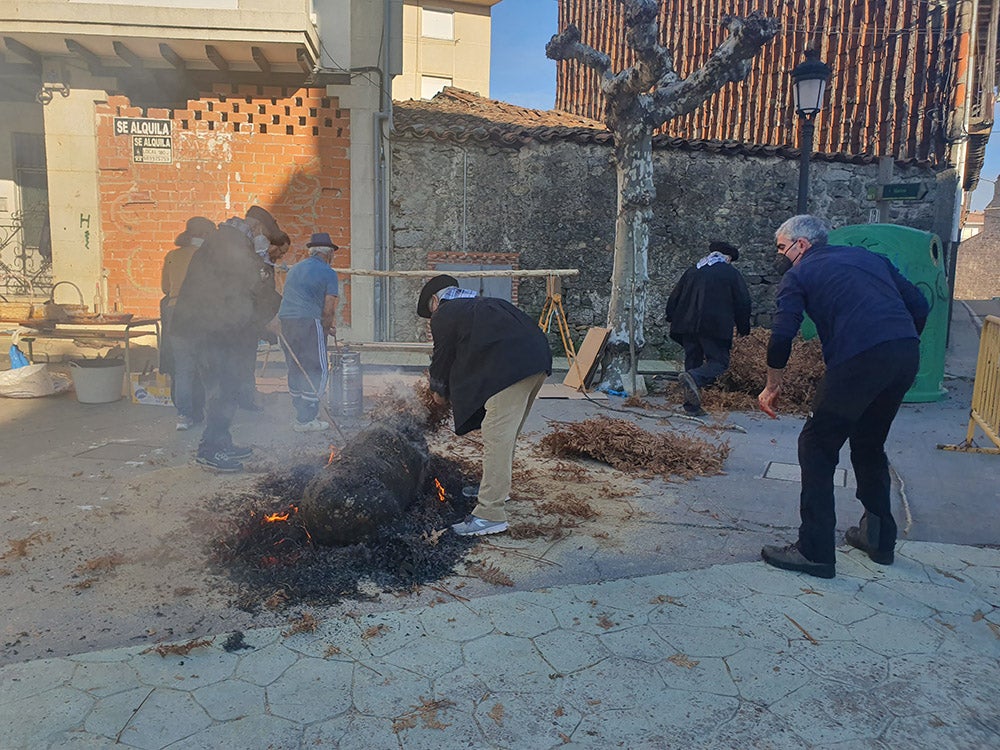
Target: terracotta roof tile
x,y
460,116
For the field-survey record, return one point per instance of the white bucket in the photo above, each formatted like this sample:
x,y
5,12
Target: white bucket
x,y
97,381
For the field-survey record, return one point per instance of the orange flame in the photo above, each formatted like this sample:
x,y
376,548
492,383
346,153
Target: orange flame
x,y
272,517
332,454
440,490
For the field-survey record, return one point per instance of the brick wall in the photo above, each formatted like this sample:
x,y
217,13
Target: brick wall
x,y
284,149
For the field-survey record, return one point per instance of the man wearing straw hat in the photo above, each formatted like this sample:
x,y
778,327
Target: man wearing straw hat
x,y
307,317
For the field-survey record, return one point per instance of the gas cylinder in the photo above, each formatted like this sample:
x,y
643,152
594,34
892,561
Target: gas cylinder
x,y
346,383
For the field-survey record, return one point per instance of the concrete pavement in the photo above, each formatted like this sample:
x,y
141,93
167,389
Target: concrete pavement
x,y
730,656
656,647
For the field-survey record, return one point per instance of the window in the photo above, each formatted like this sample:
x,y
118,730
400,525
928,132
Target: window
x,y
437,24
430,85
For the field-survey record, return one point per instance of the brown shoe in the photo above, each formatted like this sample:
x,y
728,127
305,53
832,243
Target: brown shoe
x,y
790,558
865,537
692,396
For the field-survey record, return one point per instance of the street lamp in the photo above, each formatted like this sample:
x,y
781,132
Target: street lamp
x,y
809,79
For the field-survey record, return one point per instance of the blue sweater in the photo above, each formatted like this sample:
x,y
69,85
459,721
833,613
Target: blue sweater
x,y
857,298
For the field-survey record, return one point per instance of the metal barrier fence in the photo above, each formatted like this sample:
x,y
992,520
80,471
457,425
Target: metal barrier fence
x,y
985,411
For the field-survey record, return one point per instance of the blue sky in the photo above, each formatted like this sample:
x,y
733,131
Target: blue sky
x,y
521,74
519,71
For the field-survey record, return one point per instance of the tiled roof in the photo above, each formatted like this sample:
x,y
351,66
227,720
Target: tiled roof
x,y
461,116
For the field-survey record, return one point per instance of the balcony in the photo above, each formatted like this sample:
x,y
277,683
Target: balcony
x,y
196,38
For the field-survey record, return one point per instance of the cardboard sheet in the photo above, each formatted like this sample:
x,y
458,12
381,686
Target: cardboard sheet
x,y
581,372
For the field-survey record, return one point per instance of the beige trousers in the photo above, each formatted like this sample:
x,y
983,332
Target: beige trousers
x,y
505,415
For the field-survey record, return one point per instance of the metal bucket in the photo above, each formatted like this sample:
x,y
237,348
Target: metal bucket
x,y
346,383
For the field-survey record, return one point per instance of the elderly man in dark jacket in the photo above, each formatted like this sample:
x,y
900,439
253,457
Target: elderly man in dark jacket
x,y
489,360
869,319
227,296
706,304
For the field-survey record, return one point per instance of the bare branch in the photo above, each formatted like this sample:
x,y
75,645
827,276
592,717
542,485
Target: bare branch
x,y
566,46
642,32
729,62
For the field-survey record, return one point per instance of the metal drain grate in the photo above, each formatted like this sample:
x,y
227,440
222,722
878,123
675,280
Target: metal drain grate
x,y
790,473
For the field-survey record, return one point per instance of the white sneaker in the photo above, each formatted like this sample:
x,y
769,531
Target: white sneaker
x,y
183,423
476,526
317,425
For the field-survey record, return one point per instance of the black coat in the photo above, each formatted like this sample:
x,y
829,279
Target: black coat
x,y
709,301
228,291
481,346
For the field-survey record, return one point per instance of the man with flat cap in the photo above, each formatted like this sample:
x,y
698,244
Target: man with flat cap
x,y
710,299
489,361
307,317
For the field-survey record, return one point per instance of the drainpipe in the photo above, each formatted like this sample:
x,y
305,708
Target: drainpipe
x,y
382,166
958,134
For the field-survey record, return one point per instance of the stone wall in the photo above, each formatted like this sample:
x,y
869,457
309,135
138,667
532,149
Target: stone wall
x,y
553,205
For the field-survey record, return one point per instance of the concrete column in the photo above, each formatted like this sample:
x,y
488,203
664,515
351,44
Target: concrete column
x,y
74,198
362,100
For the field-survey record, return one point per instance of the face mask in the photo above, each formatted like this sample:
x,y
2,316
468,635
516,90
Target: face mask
x,y
261,245
782,264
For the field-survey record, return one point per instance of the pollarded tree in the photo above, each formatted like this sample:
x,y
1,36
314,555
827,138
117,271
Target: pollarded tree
x,y
637,101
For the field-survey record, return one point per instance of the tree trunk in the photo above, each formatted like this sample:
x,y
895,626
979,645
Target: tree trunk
x,y
638,100
630,274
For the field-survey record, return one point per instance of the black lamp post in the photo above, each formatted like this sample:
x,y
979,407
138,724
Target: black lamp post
x,y
809,79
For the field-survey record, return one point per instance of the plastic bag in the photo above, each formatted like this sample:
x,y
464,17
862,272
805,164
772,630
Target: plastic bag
x,y
31,382
17,358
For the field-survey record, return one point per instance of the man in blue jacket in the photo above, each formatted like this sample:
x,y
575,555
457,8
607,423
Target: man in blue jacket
x,y
489,360
869,320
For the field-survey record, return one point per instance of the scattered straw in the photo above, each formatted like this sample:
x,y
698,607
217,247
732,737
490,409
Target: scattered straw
x,y
747,373
178,649
627,447
306,623
19,547
102,564
490,574
427,712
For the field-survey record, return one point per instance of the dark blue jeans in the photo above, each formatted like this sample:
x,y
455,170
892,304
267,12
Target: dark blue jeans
x,y
186,387
856,401
705,358
219,362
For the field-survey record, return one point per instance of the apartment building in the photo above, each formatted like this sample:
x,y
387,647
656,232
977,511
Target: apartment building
x,y
445,43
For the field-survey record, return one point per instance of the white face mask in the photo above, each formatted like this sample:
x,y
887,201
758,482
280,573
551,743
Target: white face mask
x,y
261,245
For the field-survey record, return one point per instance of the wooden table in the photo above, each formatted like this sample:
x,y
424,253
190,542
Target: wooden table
x,y
91,331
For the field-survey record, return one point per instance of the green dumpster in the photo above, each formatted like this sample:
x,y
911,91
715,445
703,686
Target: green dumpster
x,y
919,257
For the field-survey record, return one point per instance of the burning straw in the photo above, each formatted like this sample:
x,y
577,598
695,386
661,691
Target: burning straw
x,y
269,553
627,447
420,403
